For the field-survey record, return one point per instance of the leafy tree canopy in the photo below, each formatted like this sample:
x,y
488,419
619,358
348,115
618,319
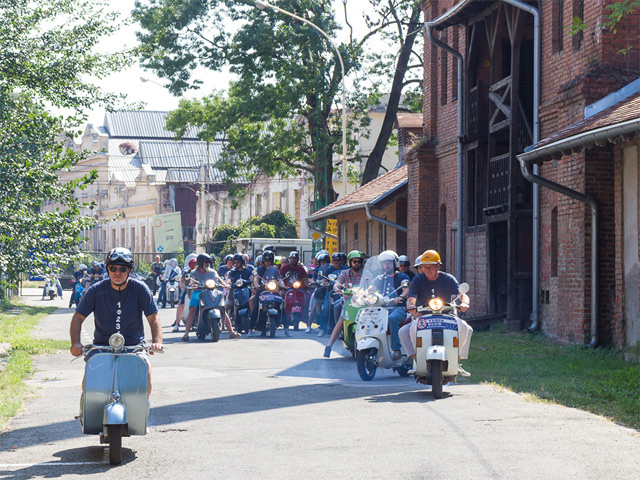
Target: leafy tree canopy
x,y
47,52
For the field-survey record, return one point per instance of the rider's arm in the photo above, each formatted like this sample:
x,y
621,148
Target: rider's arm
x,y
411,306
75,331
464,302
156,331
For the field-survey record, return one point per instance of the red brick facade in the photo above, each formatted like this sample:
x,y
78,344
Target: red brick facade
x,y
575,71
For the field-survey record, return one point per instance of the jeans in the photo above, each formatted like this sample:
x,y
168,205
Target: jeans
x,y
161,295
397,315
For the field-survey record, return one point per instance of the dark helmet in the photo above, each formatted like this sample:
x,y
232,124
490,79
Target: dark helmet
x,y
343,256
119,256
228,258
268,247
203,257
95,264
239,257
324,258
294,254
268,256
335,257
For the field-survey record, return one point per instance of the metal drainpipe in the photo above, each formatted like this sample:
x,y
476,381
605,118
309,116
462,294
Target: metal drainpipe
x,y
525,166
460,233
535,244
384,221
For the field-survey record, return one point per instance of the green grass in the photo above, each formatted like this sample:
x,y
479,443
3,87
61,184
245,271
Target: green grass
x,y
597,380
16,324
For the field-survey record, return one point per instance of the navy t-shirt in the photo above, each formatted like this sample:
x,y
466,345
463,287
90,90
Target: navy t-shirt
x,y
118,311
444,287
235,274
386,285
268,273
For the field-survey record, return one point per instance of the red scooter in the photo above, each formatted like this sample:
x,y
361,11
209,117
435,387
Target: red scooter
x,y
295,300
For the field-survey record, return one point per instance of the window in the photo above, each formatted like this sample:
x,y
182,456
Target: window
x,y
258,204
554,242
113,238
370,237
342,237
578,16
557,32
132,240
123,237
454,64
356,242
444,70
382,237
143,238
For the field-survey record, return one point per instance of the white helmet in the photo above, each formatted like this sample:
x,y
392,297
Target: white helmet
x,y
320,253
389,255
418,261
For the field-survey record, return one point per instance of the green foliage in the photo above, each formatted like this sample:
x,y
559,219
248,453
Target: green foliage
x,y
47,53
281,115
597,380
619,11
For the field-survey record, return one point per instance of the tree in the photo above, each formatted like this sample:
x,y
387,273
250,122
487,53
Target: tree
x,y
281,113
46,54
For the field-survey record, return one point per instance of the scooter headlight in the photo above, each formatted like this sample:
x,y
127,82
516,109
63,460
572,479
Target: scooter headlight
x,y
372,299
297,284
116,341
239,283
271,285
435,304
210,284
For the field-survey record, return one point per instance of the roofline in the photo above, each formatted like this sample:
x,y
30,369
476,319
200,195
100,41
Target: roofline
x,y
448,14
580,140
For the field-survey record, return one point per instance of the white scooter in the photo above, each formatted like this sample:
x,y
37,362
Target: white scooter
x,y
437,343
373,338
114,401
51,287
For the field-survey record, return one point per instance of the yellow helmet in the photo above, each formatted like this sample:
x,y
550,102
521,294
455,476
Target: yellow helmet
x,y
430,257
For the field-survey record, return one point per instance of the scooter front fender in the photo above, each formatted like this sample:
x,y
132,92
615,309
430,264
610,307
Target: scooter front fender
x,y
437,352
367,343
115,414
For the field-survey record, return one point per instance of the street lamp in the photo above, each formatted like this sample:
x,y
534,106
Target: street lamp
x,y
262,5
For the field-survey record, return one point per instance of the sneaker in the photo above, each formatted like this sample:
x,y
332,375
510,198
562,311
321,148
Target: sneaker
x,y
411,371
175,329
321,333
287,333
235,335
462,371
185,337
327,351
396,355
308,330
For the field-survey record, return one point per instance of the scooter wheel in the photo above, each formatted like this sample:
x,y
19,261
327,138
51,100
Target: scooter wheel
x,y
115,444
366,366
436,379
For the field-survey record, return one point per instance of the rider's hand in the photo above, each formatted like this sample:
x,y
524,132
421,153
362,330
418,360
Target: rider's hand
x,y
156,346
397,300
76,349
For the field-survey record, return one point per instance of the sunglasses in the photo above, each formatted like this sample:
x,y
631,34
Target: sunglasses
x,y
114,269
356,261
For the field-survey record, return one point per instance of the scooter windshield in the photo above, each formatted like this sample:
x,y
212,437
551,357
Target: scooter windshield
x,y
371,270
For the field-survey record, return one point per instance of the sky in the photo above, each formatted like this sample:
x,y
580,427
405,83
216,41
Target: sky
x,y
156,96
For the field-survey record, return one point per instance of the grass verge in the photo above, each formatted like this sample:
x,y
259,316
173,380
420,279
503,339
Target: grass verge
x,y
597,380
16,324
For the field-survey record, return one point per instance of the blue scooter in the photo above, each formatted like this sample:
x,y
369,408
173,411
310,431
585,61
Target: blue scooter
x,y
114,402
211,311
241,291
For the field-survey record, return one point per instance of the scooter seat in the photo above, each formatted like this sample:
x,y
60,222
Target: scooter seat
x,y
407,321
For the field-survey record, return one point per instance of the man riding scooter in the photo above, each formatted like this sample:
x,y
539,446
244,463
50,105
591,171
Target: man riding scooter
x,y
433,283
350,277
266,271
388,283
296,295
238,272
202,273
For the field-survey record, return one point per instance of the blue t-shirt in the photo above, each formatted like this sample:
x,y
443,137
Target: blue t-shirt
x,y
235,274
444,287
390,286
268,273
118,311
222,270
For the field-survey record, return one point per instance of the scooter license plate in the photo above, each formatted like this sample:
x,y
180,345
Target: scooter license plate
x,y
429,323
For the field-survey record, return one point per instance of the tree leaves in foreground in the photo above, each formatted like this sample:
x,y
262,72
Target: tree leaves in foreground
x,y
48,50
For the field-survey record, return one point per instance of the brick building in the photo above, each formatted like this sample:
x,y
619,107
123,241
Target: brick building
x,y
486,99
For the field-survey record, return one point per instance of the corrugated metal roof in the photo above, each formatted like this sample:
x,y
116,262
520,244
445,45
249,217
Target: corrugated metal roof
x,y
171,154
141,124
192,175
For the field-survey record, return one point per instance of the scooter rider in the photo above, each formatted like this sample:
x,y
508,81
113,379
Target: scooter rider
x,y
156,270
79,278
96,273
430,284
201,274
117,305
54,277
239,271
404,266
225,267
190,266
266,271
350,277
388,284
171,271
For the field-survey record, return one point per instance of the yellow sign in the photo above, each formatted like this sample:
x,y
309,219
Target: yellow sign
x,y
316,236
331,244
167,232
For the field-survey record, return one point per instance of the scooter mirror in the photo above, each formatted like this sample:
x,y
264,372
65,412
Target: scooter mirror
x,y
463,288
405,283
332,277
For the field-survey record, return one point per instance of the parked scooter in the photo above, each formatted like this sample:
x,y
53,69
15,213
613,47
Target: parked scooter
x,y
51,287
373,338
437,343
295,300
270,308
114,401
241,291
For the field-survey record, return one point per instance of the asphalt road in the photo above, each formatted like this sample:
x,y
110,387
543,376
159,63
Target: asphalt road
x,y
275,409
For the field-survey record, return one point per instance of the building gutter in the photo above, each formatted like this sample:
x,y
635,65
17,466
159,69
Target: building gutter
x,y
384,221
571,143
429,26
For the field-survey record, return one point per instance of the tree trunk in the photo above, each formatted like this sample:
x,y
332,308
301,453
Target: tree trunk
x,y
375,158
